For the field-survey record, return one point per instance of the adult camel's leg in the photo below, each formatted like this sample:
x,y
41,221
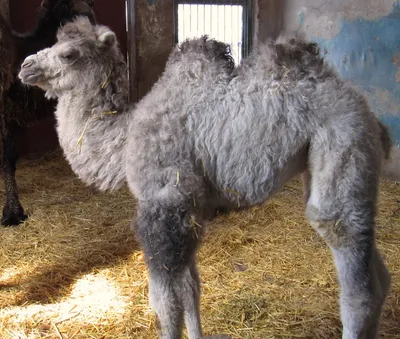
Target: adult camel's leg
x,y
13,213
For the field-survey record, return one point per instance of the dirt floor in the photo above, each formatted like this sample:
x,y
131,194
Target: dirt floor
x,y
74,269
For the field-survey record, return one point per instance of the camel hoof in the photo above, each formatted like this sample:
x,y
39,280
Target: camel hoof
x,y
12,218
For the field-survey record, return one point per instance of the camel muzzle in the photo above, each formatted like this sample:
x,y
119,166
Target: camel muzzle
x,y
30,74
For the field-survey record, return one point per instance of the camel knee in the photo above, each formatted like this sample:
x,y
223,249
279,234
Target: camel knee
x,y
333,231
168,235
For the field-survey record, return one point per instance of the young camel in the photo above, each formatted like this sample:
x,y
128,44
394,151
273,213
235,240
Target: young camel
x,y
209,135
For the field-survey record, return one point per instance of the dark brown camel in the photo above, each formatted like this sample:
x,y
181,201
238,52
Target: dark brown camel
x,y
17,102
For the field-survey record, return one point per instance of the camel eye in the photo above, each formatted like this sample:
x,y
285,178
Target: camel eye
x,y
69,56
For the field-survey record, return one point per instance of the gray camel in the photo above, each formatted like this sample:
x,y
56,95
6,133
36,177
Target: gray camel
x,y
209,135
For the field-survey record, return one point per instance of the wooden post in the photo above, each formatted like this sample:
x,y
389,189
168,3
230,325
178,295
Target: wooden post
x,y
155,34
269,18
132,60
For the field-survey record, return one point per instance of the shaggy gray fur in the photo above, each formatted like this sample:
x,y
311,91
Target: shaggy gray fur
x,y
209,135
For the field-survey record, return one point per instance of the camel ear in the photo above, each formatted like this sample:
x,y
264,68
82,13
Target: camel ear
x,y
108,39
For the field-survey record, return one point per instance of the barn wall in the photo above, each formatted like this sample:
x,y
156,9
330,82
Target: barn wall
x,y
360,38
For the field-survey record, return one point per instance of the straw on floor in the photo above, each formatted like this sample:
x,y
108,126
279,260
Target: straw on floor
x,y
74,269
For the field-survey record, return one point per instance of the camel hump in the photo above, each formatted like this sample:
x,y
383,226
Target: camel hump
x,y
294,52
209,49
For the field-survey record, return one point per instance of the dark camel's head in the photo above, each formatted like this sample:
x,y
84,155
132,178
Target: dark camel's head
x,y
64,11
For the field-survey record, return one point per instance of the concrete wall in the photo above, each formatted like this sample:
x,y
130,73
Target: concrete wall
x,y
360,38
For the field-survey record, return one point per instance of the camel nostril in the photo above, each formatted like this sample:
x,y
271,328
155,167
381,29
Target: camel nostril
x,y
27,63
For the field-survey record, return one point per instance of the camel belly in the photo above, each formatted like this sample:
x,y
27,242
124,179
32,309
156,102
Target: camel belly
x,y
251,179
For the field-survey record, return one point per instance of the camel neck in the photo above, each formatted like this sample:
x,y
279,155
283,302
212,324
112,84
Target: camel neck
x,y
93,140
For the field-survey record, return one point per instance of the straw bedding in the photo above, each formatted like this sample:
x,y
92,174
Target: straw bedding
x,y
74,269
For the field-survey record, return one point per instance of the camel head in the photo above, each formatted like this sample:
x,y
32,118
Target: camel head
x,y
65,10
84,56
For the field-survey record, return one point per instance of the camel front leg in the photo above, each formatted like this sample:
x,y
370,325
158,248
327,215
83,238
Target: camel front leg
x,y
13,213
169,240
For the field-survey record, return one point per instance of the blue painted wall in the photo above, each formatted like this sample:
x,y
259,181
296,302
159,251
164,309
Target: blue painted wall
x,y
367,52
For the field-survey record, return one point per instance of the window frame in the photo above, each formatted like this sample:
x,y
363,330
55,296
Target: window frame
x,y
247,18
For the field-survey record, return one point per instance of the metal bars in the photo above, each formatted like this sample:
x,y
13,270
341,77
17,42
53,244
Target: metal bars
x,y
226,20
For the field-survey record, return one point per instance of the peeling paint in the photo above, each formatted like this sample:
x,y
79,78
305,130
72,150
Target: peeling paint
x,y
361,39
367,54
396,61
323,18
324,25
369,60
370,10
301,21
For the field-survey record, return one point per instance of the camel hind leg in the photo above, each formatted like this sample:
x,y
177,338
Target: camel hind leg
x,y
341,208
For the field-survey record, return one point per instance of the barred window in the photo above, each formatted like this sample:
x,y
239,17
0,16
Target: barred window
x,y
227,20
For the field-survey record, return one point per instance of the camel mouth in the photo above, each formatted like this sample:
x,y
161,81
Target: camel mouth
x,y
30,77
